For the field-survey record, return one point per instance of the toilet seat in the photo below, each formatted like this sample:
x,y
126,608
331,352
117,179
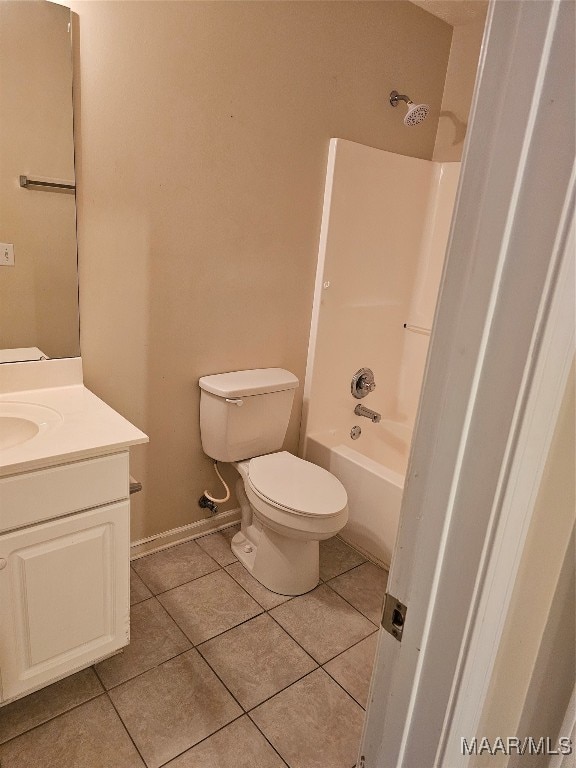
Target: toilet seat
x,y
296,485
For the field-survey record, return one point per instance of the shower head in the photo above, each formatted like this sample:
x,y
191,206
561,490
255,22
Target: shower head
x,y
416,112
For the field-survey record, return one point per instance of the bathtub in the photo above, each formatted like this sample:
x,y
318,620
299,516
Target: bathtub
x,y
372,469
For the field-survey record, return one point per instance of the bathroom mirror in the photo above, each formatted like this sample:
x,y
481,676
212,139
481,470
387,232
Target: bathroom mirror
x,y
38,253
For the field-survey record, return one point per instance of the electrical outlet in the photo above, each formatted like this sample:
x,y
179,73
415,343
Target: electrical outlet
x,y
6,254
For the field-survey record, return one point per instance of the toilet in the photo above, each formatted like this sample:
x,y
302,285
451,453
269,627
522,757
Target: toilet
x,y
288,504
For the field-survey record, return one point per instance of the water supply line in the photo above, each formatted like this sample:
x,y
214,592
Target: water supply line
x,y
211,502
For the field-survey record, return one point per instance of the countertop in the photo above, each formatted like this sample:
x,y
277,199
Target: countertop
x,y
88,427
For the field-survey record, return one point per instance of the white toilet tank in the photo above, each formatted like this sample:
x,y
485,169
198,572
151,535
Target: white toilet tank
x,y
245,413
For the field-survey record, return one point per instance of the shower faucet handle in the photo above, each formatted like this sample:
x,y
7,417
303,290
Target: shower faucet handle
x,y
366,386
362,383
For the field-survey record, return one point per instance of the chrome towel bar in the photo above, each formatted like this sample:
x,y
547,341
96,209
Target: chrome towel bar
x,y
26,183
135,485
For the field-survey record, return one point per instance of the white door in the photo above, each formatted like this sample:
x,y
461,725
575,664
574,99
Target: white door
x,y
64,594
501,311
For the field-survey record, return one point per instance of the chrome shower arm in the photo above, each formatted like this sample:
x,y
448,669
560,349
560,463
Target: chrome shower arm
x,y
395,97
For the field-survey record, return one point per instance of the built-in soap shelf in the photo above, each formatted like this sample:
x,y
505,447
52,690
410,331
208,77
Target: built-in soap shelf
x,y
417,329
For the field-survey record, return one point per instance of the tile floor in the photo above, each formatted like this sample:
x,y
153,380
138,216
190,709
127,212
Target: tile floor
x,y
220,672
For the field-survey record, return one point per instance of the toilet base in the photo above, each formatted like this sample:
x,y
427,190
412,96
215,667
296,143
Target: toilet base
x,y
283,565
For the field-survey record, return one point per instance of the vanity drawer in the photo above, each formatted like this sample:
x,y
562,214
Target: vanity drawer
x,y
33,496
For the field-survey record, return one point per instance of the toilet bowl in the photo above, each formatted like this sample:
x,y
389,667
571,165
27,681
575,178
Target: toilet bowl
x,y
288,506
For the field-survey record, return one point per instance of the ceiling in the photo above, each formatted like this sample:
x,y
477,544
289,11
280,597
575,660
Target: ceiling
x,y
455,12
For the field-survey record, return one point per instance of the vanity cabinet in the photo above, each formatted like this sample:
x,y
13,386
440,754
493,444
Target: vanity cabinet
x,y
64,570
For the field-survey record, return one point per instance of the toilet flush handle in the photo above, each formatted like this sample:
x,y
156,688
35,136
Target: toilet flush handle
x,y
235,401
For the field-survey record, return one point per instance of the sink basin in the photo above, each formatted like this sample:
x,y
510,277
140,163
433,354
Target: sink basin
x,y
21,422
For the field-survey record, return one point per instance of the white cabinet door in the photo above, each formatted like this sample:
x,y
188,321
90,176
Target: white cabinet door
x,y
64,596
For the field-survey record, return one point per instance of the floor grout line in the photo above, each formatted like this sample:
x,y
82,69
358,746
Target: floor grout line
x,y
351,604
150,669
54,717
249,713
281,690
350,647
222,681
195,646
224,567
201,576
288,597
218,634
315,660
263,612
188,749
268,740
354,699
321,663
126,728
93,667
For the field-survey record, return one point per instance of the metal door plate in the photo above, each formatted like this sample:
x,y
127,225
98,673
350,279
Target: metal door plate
x,y
394,616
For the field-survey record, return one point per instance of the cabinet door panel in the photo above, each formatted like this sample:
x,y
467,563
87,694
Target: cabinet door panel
x,y
64,596
59,611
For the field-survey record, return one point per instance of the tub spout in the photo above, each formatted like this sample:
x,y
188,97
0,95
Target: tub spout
x,y
361,410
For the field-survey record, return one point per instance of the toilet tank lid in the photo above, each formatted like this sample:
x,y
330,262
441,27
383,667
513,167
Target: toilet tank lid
x,y
245,383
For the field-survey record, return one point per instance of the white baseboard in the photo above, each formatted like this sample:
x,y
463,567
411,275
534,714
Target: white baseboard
x,y
364,552
185,533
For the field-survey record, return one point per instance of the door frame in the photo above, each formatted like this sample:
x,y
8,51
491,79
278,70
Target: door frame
x,y
500,351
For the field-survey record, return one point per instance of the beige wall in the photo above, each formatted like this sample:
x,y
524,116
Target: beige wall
x,y
39,294
552,680
459,88
203,138
535,667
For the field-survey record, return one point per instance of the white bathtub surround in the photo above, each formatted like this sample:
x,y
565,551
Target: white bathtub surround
x,y
384,232
420,314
